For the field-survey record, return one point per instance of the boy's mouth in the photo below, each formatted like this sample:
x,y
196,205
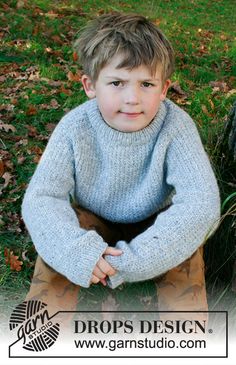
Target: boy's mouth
x,y
131,115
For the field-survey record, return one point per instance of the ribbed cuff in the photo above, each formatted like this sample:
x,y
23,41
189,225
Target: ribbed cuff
x,y
114,281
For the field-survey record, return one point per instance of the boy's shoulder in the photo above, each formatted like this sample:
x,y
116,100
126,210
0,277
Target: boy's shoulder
x,y
79,113
175,112
76,120
177,119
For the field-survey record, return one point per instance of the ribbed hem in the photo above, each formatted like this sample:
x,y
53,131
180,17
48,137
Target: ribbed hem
x,y
112,135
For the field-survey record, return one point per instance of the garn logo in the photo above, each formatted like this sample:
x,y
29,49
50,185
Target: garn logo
x,y
34,325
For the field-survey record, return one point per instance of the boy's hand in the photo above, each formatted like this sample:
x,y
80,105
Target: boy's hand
x,y
102,268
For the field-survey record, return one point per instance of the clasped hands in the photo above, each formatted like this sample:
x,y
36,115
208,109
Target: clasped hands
x,y
103,269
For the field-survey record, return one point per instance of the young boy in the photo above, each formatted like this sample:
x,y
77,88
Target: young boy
x,y
146,196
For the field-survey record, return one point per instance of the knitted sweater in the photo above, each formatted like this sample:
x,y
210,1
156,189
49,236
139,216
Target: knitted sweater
x,y
124,178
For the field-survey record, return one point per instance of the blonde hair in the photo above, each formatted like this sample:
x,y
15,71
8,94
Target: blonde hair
x,y
132,35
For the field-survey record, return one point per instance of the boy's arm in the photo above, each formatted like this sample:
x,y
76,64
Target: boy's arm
x,y
181,229
49,217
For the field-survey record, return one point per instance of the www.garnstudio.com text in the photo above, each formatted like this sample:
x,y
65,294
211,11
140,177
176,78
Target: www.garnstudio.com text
x,y
163,342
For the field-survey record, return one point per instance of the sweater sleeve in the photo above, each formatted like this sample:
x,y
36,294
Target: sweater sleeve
x,y
49,217
185,225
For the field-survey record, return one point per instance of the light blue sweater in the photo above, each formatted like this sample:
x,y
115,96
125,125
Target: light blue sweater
x,y
125,178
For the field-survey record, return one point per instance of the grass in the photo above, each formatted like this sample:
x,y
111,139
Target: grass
x,y
36,58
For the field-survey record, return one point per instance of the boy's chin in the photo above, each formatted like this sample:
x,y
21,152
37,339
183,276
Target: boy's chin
x,y
127,127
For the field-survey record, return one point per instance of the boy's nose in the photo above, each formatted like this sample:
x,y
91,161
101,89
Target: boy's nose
x,y
131,96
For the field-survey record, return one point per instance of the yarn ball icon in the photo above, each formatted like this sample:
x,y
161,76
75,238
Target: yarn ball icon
x,y
34,326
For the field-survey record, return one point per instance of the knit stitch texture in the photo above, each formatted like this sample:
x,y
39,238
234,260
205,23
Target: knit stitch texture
x,y
124,178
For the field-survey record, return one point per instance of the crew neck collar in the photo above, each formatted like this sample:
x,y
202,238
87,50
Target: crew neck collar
x,y
110,134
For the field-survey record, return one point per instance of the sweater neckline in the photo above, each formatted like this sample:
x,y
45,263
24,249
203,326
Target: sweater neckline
x,y
110,134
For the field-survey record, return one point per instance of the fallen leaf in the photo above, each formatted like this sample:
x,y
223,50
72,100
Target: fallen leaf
x,y
24,257
75,57
219,86
36,29
3,78
32,131
231,92
7,127
2,223
205,110
20,160
57,39
203,49
7,107
21,142
212,104
182,101
31,110
5,6
54,104
34,76
175,86
74,77
7,177
65,91
12,260
1,168
224,37
50,127
20,4
51,14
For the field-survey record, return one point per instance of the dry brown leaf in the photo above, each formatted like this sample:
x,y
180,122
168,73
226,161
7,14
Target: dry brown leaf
x,y
74,77
54,104
20,160
75,56
31,110
57,39
1,168
65,91
7,177
20,4
211,104
24,257
219,86
231,92
50,127
3,78
5,6
32,131
177,88
12,260
7,127
205,110
7,107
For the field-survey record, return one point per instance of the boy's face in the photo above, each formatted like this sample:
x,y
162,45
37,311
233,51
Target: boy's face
x,y
128,99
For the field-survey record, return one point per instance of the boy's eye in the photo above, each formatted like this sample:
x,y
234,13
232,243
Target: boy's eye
x,y
147,84
116,83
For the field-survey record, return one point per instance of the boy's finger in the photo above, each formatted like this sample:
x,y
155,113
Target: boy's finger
x,y
113,251
105,267
94,280
98,272
103,281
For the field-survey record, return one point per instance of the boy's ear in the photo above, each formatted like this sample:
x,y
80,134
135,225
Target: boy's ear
x,y
165,88
88,86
